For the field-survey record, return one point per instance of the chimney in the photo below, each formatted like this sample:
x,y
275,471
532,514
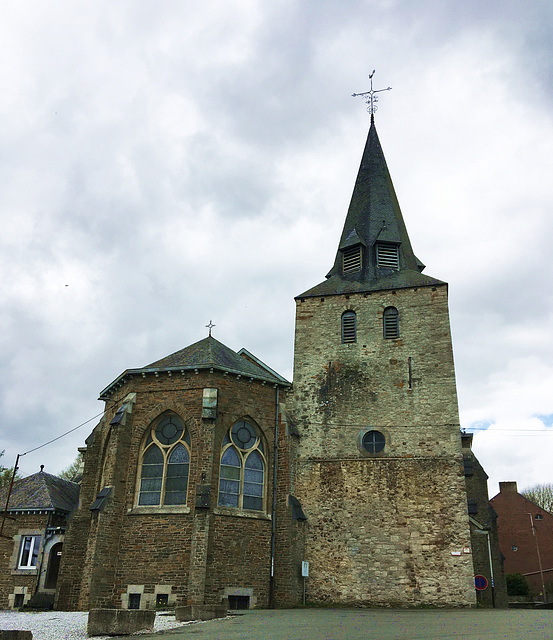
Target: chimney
x,y
508,487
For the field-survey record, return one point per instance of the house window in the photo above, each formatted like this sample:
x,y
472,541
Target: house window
x,y
387,256
134,600
28,553
165,463
373,441
349,327
351,259
242,469
162,600
539,516
390,323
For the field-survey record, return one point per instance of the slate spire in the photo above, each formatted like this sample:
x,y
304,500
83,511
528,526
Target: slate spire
x,y
374,252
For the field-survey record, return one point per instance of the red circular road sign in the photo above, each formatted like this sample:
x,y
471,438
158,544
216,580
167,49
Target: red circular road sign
x,y
480,583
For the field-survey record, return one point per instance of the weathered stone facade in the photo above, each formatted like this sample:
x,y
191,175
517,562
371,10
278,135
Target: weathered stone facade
x,y
382,526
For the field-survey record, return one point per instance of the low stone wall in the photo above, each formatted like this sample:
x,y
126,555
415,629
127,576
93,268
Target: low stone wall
x,y
200,612
115,622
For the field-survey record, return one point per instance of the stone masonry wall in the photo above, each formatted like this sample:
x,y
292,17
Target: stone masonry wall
x,y
195,554
382,528
12,579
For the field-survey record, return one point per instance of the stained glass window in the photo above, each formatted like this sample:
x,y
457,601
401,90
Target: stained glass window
x,y
165,463
242,474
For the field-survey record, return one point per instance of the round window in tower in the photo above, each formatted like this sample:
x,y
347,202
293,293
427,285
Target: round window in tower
x,y
373,441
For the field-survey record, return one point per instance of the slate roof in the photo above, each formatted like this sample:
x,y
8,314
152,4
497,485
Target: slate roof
x,y
41,492
208,353
374,215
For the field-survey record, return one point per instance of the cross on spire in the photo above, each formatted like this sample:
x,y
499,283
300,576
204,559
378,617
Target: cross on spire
x,y
210,326
370,98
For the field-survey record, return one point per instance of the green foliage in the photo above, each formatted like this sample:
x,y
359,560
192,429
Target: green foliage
x,y
542,495
6,474
517,585
70,473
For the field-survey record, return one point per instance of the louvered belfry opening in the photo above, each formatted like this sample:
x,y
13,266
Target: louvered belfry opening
x,y
391,323
387,255
351,259
349,327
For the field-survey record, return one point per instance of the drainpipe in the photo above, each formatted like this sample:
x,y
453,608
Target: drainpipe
x,y
273,517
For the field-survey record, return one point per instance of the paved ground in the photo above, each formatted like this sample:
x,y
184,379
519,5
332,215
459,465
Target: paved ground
x,y
369,624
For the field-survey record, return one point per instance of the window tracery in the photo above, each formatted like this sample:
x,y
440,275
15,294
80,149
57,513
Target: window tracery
x,y
165,463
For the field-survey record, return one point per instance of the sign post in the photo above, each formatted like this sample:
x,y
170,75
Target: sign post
x,y
305,574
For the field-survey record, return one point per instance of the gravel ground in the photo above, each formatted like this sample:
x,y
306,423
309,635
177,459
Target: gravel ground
x,y
67,625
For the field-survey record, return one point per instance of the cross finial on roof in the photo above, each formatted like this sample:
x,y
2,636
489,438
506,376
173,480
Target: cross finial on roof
x,y
370,98
210,326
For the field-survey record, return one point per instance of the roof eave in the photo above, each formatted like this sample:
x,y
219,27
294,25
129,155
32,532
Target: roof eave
x,y
120,380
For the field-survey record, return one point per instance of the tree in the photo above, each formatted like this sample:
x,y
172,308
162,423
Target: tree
x,y
72,471
517,585
6,474
542,495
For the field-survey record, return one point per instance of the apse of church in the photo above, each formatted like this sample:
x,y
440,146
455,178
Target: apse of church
x,y
177,498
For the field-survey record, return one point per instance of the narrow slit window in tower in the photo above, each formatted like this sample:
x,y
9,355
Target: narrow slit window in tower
x,y
349,327
391,323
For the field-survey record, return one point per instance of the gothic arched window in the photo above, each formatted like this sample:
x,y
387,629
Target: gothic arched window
x,y
164,463
391,322
349,327
242,470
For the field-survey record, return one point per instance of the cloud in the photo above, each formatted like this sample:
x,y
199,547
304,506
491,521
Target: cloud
x,y
175,163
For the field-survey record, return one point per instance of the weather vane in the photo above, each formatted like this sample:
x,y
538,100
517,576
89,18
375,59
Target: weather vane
x,y
210,326
370,98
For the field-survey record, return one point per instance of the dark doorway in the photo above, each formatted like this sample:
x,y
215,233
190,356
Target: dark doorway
x,y
239,602
53,566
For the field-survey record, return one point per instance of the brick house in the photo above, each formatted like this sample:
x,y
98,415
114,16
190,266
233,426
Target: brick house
x,y
211,477
32,538
525,539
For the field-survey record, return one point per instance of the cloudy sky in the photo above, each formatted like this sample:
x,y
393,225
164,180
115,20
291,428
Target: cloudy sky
x,y
165,163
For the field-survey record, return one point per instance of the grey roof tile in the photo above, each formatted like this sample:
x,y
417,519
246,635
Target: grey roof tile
x,y
42,491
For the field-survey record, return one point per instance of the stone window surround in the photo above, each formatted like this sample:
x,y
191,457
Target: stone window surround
x,y
240,591
17,591
148,600
16,553
161,508
367,454
260,447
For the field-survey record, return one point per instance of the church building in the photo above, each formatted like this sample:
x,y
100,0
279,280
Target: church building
x,y
211,477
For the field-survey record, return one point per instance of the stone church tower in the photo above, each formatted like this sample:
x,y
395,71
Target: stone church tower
x,y
379,461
